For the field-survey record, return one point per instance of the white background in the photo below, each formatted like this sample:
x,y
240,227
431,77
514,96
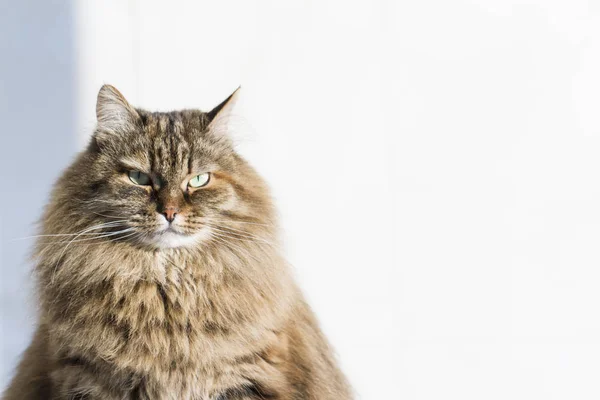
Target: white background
x,y
435,164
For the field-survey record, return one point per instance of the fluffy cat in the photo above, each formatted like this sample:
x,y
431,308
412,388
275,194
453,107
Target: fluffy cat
x,y
159,273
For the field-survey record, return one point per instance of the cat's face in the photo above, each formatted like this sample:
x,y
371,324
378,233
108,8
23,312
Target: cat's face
x,y
164,180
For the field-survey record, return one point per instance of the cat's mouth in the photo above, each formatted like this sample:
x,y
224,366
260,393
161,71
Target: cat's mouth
x,y
169,232
173,236
171,229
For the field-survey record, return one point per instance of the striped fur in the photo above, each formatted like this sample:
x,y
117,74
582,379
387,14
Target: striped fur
x,y
124,317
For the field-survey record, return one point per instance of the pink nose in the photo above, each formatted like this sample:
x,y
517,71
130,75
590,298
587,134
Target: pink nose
x,y
170,213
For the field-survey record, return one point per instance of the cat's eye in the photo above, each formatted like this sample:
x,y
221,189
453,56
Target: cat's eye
x,y
139,178
199,180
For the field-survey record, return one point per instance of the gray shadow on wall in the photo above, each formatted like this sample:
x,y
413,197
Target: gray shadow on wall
x,y
37,140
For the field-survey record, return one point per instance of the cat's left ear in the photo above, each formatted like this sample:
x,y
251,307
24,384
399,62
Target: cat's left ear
x,y
222,117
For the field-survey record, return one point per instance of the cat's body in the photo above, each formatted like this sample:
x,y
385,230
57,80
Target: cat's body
x,y
206,310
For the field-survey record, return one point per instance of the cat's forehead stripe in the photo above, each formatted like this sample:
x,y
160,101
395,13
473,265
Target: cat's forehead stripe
x,y
171,151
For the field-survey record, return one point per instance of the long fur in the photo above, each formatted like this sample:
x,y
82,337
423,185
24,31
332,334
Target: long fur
x,y
123,318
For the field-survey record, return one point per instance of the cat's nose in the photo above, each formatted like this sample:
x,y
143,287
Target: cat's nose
x,y
170,213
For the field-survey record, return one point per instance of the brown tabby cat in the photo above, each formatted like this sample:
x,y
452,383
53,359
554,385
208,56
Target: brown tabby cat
x,y
160,276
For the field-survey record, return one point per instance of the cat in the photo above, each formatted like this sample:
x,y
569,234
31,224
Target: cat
x,y
160,276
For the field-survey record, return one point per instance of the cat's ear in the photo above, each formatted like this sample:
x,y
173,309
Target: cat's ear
x,y
114,114
223,117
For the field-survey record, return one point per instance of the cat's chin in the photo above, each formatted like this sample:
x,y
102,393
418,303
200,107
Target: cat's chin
x,y
171,240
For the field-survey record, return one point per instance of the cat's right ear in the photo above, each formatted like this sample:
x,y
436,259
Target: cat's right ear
x,y
115,115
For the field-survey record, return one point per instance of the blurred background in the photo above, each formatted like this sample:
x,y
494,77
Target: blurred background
x,y
435,164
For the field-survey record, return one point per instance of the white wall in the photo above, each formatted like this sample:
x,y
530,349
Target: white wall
x,y
435,164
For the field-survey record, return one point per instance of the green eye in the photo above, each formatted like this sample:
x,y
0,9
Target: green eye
x,y
139,178
199,180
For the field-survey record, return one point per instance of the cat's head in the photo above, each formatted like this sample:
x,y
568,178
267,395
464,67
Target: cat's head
x,y
162,179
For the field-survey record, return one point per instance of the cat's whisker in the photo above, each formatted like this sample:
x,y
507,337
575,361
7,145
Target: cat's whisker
x,y
228,243
54,235
221,224
231,239
228,227
64,234
137,237
100,236
129,232
234,233
237,221
95,227
129,236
